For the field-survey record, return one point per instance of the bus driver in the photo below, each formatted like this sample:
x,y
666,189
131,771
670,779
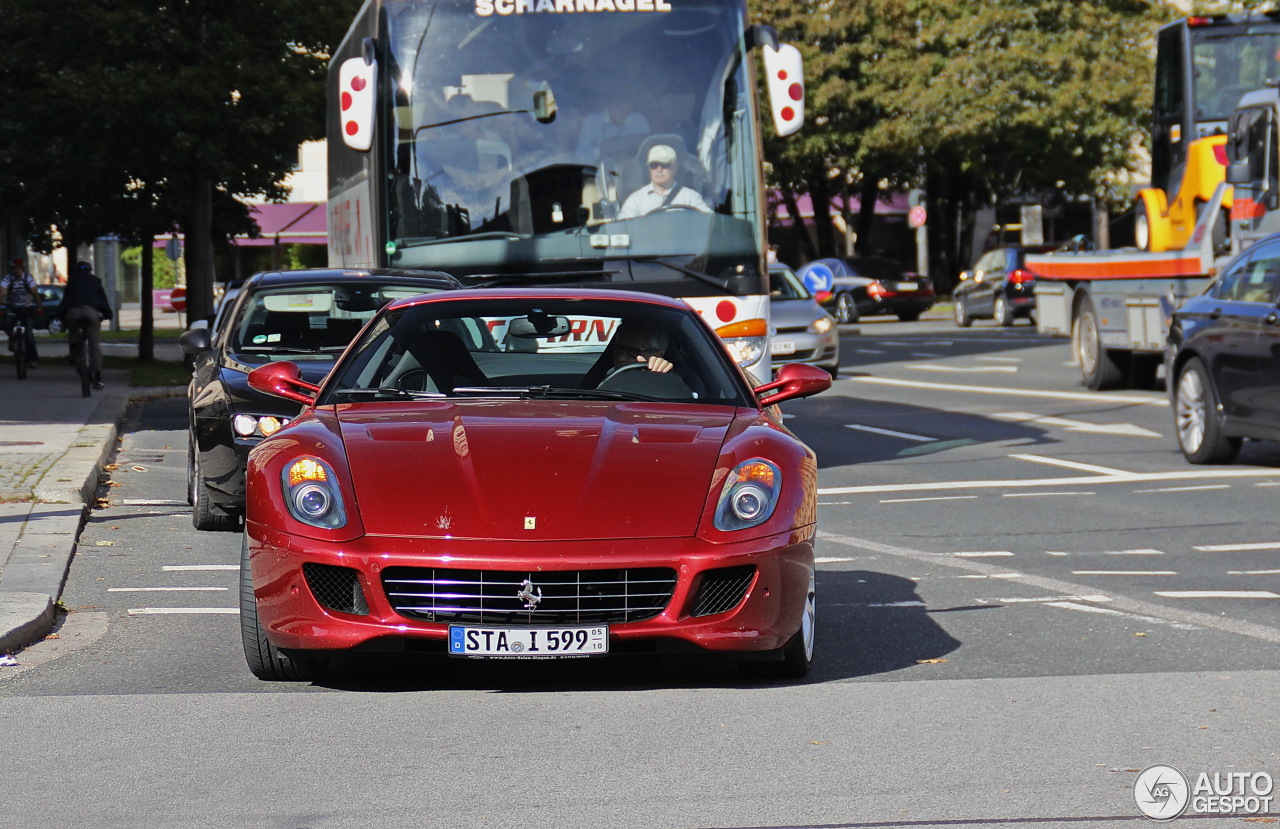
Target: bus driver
x,y
662,190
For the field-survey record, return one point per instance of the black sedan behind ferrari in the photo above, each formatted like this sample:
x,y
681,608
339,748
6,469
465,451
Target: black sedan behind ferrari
x,y
308,317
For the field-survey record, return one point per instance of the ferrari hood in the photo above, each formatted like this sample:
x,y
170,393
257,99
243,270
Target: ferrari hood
x,y
532,470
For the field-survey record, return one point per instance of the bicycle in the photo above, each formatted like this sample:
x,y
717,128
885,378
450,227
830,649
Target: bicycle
x,y
18,340
79,334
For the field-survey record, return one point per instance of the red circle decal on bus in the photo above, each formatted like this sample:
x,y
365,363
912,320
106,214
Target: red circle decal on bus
x,y
346,101
352,128
726,311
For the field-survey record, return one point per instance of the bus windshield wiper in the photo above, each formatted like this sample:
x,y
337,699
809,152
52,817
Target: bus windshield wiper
x,y
509,235
713,281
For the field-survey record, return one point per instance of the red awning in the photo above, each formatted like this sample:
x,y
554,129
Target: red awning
x,y
293,223
896,204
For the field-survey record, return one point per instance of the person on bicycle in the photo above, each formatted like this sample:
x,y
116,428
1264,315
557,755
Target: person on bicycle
x,y
84,306
21,296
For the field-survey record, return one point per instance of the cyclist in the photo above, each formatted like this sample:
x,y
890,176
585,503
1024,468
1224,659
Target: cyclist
x,y
84,306
19,293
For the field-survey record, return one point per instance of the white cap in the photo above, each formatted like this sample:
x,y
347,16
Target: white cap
x,y
662,154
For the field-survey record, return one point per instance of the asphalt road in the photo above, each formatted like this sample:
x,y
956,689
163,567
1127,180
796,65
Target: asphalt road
x,y
1026,596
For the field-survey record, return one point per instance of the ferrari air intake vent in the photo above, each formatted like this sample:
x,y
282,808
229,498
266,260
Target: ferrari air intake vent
x,y
524,597
336,588
722,589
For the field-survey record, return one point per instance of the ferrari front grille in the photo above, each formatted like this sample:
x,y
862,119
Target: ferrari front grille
x,y
529,597
336,588
722,589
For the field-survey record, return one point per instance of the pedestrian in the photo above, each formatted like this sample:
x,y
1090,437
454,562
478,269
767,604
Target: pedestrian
x,y
21,296
83,307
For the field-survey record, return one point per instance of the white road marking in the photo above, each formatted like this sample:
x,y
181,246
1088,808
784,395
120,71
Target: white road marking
x,y
143,502
1235,548
163,589
964,369
1053,395
1066,464
1047,599
917,500
833,503
889,432
1128,429
1219,594
1092,480
1253,572
982,554
925,355
1000,359
1110,611
1124,572
189,567
830,560
1180,613
178,611
992,576
1183,488
1268,483
867,351
1042,494
1138,552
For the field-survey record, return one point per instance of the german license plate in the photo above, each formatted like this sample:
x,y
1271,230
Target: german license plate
x,y
907,286
528,642
782,347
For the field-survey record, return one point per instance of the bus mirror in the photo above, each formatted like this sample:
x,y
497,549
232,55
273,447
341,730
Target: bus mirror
x,y
357,83
1238,172
544,105
784,69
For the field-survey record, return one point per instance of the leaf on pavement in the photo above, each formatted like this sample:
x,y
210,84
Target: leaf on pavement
x,y
139,469
930,661
104,544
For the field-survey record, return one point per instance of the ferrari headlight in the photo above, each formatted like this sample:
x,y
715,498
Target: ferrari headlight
x,y
749,495
312,495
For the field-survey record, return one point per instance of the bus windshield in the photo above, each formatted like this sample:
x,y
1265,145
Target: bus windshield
x,y
531,136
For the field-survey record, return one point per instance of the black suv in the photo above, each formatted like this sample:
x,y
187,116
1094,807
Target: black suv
x,y
996,287
308,317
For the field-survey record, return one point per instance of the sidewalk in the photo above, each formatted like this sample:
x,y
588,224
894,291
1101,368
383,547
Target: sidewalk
x,y
53,445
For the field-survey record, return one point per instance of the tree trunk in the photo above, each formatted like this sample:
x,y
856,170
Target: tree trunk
x,y
199,250
808,248
867,195
820,195
146,335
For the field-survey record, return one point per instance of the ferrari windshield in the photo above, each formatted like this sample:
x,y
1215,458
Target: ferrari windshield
x,y
521,136
539,349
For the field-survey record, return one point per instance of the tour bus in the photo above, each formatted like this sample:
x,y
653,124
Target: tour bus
x,y
500,141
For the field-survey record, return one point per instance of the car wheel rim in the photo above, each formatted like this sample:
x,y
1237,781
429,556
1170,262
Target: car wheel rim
x,y
807,621
842,308
1142,231
1001,309
959,311
1088,343
1192,411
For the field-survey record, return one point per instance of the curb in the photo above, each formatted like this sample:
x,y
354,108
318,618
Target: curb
x,y
31,579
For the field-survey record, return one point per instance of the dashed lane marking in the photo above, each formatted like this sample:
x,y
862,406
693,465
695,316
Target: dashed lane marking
x,y
982,554
1182,488
918,500
1237,548
1044,393
165,589
178,611
1124,572
999,359
1212,621
1110,611
1127,429
1047,599
1218,594
191,567
889,433
1253,572
964,369
1066,464
1040,494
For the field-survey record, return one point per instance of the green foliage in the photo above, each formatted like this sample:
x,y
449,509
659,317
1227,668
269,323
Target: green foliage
x,y
974,100
164,270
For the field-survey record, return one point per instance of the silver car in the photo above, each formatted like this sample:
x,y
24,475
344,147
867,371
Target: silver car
x,y
802,331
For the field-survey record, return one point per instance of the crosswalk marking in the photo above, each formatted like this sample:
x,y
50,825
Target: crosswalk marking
x,y
889,432
1235,548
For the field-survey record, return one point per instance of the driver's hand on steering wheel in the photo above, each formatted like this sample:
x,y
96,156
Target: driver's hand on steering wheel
x,y
659,364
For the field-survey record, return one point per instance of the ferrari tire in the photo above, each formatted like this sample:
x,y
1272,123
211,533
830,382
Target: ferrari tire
x,y
797,656
264,659
1196,418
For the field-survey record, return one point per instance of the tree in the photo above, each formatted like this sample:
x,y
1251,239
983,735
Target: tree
x,y
977,100
143,114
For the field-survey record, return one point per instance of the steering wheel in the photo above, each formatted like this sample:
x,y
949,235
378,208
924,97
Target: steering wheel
x,y
625,369
666,207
